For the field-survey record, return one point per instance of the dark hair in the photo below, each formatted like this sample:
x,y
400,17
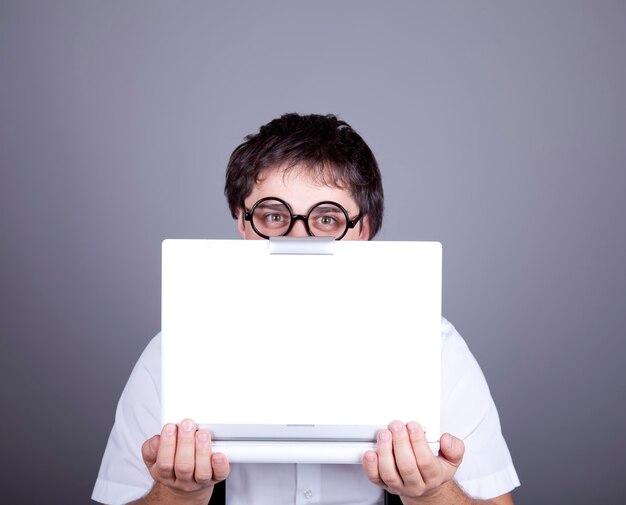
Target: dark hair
x,y
332,152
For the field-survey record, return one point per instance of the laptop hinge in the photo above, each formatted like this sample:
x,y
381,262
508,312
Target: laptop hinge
x,y
301,245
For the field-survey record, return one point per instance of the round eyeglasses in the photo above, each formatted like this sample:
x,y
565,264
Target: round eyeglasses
x,y
273,217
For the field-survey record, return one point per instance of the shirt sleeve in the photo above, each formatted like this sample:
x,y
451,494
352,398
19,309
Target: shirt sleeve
x,y
123,476
469,413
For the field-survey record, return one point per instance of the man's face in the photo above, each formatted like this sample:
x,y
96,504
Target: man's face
x,y
301,192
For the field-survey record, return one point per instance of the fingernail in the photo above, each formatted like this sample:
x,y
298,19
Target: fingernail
x,y
218,459
370,456
154,443
413,427
396,426
170,429
384,436
188,425
203,438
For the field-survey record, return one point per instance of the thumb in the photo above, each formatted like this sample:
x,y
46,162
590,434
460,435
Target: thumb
x,y
150,449
451,449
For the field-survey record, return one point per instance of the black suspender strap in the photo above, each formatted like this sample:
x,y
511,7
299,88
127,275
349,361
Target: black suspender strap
x,y
392,499
219,494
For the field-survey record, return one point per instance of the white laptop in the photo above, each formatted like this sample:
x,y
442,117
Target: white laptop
x,y
298,350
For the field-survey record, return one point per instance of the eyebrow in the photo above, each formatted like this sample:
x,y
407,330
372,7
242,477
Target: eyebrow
x,y
272,206
332,208
328,208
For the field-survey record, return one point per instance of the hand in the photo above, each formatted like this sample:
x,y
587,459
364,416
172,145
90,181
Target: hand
x,y
404,464
181,460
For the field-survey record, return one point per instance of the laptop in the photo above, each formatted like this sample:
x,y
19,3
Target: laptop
x,y
298,350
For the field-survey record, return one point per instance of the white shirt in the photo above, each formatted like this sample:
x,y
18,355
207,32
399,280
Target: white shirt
x,y
467,411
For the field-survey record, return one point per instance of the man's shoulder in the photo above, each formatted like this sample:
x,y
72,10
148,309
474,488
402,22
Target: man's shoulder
x,y
148,365
152,351
451,339
154,346
458,364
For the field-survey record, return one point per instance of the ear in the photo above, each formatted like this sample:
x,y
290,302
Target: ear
x,y
241,226
364,234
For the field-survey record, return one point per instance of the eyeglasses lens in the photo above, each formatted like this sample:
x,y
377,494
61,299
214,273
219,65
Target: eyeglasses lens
x,y
327,220
271,218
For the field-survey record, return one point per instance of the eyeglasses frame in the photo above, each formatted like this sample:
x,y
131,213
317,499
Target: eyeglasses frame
x,y
350,223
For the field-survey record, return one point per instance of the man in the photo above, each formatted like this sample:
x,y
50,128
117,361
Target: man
x,y
310,175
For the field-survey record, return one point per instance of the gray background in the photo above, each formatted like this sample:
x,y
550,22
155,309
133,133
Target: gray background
x,y
500,130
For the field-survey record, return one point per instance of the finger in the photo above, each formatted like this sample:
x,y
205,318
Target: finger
x,y
452,449
185,460
221,466
370,466
386,463
164,466
149,451
204,471
427,462
404,455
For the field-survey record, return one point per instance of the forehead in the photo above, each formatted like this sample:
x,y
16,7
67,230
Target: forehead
x,y
299,189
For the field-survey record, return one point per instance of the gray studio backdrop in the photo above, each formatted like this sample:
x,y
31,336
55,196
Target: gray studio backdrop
x,y
500,128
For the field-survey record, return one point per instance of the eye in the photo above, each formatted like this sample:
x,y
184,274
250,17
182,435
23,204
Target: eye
x,y
275,218
326,220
